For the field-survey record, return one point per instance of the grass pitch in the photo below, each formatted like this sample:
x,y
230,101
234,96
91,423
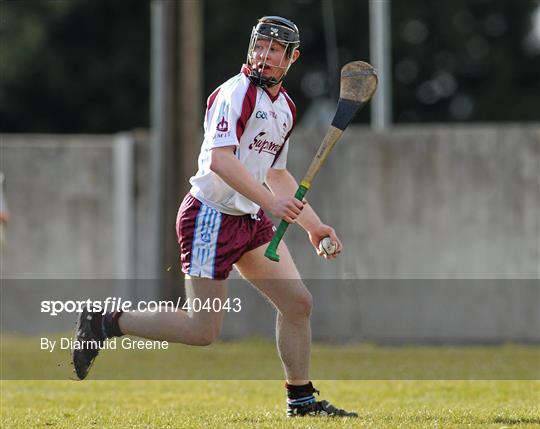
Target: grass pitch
x,y
260,404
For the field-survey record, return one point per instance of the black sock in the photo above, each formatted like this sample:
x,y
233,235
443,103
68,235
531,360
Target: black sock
x,y
299,395
110,326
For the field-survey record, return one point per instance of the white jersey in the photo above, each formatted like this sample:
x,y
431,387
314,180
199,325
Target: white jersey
x,y
246,116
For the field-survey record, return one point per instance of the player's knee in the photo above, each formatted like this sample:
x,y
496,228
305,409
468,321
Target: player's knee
x,y
208,336
205,341
301,305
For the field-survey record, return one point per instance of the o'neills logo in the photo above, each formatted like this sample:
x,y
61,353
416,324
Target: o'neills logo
x,y
263,145
222,125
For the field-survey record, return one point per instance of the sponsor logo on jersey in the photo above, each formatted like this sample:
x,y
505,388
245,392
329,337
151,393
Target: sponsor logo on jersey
x,y
260,144
261,114
223,125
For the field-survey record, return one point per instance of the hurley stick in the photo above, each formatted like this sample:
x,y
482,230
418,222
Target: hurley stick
x,y
358,83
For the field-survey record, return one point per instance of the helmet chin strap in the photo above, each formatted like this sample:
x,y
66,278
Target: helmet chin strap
x,y
259,80
267,82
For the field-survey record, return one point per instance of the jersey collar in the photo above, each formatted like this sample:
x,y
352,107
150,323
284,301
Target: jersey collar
x,y
246,70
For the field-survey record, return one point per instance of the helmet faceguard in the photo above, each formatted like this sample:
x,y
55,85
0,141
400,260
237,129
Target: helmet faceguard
x,y
272,29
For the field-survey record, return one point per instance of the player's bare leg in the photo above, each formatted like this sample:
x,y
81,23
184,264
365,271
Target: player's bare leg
x,y
281,283
196,328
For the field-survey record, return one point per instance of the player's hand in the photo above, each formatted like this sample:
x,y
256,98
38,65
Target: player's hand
x,y
317,234
286,208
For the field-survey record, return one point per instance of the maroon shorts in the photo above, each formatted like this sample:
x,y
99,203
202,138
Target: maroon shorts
x,y
211,241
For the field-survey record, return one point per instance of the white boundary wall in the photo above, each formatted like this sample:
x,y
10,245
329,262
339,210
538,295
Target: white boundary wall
x,y
437,202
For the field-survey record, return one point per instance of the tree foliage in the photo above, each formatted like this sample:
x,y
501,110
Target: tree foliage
x,y
74,66
83,66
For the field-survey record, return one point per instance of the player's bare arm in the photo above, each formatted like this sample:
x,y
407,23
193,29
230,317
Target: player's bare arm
x,y
281,182
224,163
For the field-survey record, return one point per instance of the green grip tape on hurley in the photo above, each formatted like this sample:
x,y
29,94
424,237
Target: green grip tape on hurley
x,y
271,250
